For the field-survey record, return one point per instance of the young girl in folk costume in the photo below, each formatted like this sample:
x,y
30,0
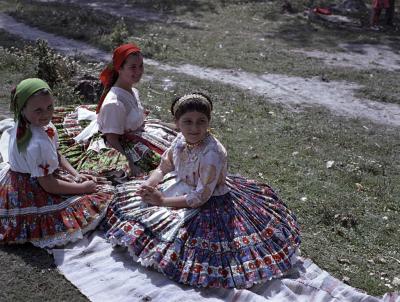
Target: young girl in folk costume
x,y
121,120
195,224
43,200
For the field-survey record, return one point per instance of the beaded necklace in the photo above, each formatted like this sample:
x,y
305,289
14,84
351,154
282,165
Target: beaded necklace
x,y
194,145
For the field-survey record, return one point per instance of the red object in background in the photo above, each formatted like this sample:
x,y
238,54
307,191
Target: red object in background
x,y
322,11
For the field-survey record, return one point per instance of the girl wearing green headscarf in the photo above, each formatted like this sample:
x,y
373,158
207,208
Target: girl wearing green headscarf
x,y
43,199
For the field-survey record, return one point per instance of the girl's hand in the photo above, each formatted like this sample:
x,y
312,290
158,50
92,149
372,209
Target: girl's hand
x,y
89,186
147,183
150,195
83,177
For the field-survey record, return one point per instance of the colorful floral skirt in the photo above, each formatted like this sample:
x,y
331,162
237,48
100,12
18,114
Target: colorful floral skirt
x,y
244,237
29,214
144,149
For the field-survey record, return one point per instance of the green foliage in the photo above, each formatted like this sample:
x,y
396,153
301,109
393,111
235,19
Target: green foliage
x,y
119,34
65,94
17,60
38,60
52,67
151,48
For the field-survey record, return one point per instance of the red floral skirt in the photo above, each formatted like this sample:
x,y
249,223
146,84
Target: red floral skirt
x,y
29,214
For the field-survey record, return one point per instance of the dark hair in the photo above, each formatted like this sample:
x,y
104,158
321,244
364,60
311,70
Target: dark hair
x,y
195,101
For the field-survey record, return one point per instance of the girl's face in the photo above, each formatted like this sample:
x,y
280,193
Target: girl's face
x,y
39,110
193,126
132,69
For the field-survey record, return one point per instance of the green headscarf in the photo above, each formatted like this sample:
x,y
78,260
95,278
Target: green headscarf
x,y
24,90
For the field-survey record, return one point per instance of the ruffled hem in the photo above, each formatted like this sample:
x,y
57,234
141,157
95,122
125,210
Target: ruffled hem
x,y
198,274
74,229
30,214
77,235
236,240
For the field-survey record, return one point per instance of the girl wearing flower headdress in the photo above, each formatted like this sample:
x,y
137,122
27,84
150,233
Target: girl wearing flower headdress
x,y
43,199
130,140
193,222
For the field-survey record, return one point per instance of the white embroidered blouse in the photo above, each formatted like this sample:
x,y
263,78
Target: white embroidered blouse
x,y
203,168
121,112
40,157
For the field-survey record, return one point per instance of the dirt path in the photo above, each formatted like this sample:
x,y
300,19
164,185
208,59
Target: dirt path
x,y
358,56
336,96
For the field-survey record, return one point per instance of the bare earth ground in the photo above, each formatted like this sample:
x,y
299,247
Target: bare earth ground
x,y
293,91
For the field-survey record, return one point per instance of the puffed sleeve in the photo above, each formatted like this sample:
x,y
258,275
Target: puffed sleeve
x,y
42,158
166,164
210,168
112,118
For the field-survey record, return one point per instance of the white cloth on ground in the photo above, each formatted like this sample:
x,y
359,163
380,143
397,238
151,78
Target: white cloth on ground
x,y
104,273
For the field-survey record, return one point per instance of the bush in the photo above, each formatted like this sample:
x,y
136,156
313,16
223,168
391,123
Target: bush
x,y
51,67
119,34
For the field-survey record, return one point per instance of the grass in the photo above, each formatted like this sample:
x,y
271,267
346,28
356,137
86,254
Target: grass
x,y
348,212
253,36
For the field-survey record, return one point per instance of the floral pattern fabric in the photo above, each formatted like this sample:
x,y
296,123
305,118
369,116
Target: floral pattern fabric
x,y
241,237
96,156
30,214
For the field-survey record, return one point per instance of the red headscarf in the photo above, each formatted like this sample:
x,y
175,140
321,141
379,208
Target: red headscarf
x,y
111,71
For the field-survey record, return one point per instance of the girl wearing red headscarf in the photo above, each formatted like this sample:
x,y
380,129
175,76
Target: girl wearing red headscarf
x,y
120,138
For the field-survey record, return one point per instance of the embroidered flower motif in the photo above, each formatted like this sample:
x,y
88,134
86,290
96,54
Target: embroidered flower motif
x,y
276,257
50,132
267,260
174,257
138,232
239,269
197,269
223,272
45,169
127,228
184,236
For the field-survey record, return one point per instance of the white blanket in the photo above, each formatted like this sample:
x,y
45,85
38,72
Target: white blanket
x,y
103,273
